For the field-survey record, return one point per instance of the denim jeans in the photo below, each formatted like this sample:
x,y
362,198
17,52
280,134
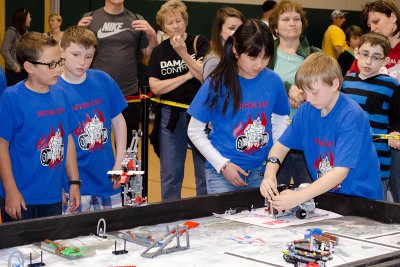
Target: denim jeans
x,y
33,211
173,147
394,181
294,166
216,182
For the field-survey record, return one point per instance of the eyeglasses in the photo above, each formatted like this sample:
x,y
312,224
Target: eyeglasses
x,y
51,65
365,55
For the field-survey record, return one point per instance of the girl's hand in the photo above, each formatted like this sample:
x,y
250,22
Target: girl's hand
x,y
231,173
394,143
85,21
296,96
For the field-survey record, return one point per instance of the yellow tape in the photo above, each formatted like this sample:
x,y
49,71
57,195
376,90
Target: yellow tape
x,y
165,102
386,136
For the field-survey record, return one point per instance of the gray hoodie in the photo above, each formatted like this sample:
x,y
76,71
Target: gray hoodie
x,y
9,47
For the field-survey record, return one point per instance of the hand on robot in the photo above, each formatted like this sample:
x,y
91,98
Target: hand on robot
x,y
268,187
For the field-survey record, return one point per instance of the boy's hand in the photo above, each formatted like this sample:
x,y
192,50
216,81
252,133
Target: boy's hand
x,y
85,21
116,178
14,202
268,187
287,199
74,197
231,173
394,143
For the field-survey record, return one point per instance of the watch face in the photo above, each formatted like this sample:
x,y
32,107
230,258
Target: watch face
x,y
273,160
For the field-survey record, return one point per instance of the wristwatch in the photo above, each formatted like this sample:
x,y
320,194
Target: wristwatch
x,y
78,182
274,160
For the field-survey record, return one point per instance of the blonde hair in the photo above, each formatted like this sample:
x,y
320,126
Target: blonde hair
x,y
171,7
57,17
78,35
318,67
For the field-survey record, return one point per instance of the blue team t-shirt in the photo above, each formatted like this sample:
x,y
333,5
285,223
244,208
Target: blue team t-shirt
x,y
95,102
342,138
246,136
37,126
3,81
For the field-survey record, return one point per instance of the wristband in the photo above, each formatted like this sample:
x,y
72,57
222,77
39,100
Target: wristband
x,y
224,167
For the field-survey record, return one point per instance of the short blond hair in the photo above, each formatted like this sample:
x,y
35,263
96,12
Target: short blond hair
x,y
56,16
80,36
318,67
171,7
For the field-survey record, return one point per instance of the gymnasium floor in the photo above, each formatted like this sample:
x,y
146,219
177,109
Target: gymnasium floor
x,y
189,185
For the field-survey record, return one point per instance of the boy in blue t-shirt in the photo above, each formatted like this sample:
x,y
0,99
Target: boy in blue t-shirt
x,y
336,138
36,145
378,95
97,102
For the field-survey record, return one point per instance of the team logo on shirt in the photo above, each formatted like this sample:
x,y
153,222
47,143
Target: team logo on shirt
x,y
91,133
252,135
52,148
324,165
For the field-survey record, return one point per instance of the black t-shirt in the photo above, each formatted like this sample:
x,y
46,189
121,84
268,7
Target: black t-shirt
x,y
165,64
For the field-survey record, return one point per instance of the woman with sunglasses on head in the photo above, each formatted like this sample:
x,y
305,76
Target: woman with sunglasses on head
x,y
21,20
383,16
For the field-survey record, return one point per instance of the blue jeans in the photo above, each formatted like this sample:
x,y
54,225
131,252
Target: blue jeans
x,y
394,181
173,147
33,211
216,182
294,166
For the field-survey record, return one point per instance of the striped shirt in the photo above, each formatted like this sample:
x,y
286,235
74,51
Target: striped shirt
x,y
379,97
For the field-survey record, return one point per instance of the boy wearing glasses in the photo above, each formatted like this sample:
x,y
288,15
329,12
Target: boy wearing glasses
x,y
378,95
334,134
97,102
36,145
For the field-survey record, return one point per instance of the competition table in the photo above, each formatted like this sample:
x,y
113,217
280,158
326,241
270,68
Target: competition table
x,y
211,242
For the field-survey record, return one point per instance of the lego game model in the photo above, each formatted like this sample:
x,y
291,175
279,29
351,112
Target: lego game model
x,y
314,250
131,175
161,245
61,250
301,211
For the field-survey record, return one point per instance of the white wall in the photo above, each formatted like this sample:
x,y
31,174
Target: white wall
x,y
323,4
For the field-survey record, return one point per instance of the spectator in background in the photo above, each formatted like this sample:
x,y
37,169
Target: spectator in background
x,y
3,81
353,34
334,41
288,22
383,16
55,21
21,20
121,34
267,11
175,71
226,21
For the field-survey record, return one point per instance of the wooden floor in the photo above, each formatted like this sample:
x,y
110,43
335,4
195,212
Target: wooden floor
x,y
154,185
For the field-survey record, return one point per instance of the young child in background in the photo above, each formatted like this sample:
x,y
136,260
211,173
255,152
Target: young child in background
x,y
336,138
97,103
353,34
238,100
378,95
36,145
